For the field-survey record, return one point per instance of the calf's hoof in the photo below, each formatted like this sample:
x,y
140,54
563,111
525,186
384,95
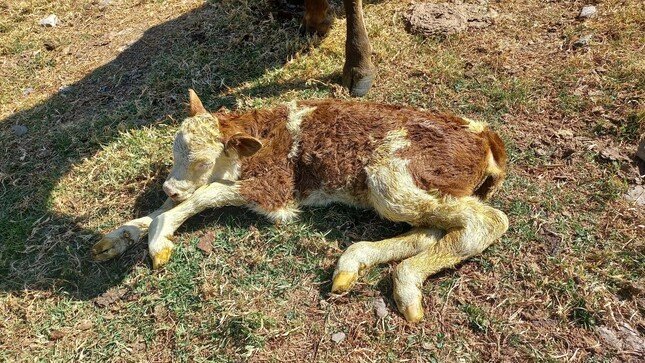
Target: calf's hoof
x,y
358,80
161,253
407,293
412,313
115,243
343,281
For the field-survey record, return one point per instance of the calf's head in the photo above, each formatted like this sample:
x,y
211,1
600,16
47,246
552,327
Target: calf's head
x,y
204,152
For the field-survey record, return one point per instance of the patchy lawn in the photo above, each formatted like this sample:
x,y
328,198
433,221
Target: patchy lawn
x,y
102,94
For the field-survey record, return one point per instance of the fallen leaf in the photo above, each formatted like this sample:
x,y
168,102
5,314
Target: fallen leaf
x,y
84,325
205,243
109,297
380,308
56,335
564,133
612,154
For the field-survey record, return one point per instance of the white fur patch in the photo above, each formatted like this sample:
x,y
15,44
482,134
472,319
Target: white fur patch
x,y
319,198
476,126
296,115
282,215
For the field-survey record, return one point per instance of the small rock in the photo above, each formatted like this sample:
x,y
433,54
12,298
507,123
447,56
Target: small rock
x,y
583,41
587,12
338,337
636,194
631,339
19,130
380,308
27,91
64,89
51,20
103,3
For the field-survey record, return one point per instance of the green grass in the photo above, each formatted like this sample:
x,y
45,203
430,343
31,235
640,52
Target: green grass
x,y
96,156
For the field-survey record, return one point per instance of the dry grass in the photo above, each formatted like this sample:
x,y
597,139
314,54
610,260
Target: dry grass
x,y
567,275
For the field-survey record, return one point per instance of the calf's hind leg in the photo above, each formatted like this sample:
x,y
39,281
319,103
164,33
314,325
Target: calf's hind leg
x,y
482,226
362,255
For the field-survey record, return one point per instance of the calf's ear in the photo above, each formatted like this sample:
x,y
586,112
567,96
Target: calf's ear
x,y
196,107
245,145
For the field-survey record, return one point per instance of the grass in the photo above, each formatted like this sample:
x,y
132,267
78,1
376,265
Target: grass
x,y
110,93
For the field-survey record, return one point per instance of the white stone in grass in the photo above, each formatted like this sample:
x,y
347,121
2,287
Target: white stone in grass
x,y
636,194
338,337
587,12
51,20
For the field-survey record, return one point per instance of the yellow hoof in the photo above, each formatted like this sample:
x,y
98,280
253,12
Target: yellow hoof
x,y
343,282
161,258
413,313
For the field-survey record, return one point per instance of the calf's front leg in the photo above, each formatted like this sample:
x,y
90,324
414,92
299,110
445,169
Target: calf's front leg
x,y
122,238
218,194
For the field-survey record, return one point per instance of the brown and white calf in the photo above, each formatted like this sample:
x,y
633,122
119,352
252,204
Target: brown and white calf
x,y
428,169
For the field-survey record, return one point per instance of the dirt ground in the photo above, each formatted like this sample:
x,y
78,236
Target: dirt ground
x,y
88,109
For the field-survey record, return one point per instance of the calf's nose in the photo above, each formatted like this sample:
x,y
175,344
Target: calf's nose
x,y
170,191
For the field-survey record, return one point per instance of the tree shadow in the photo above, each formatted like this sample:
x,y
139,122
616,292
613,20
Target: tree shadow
x,y
211,49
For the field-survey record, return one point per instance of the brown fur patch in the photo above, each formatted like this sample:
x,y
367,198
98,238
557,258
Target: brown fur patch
x,y
266,177
338,139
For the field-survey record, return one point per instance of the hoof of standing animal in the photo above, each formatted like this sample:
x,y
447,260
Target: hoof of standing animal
x,y
358,80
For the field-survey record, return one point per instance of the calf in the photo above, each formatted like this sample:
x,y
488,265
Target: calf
x,y
427,169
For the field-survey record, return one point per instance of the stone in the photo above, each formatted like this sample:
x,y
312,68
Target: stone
x,y
51,20
338,337
583,41
636,194
19,130
587,12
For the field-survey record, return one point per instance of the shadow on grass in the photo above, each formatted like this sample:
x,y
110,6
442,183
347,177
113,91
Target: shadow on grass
x,y
210,49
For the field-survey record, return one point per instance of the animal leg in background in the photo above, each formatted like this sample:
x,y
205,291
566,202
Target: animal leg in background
x,y
483,225
360,256
317,18
358,72
119,240
213,195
